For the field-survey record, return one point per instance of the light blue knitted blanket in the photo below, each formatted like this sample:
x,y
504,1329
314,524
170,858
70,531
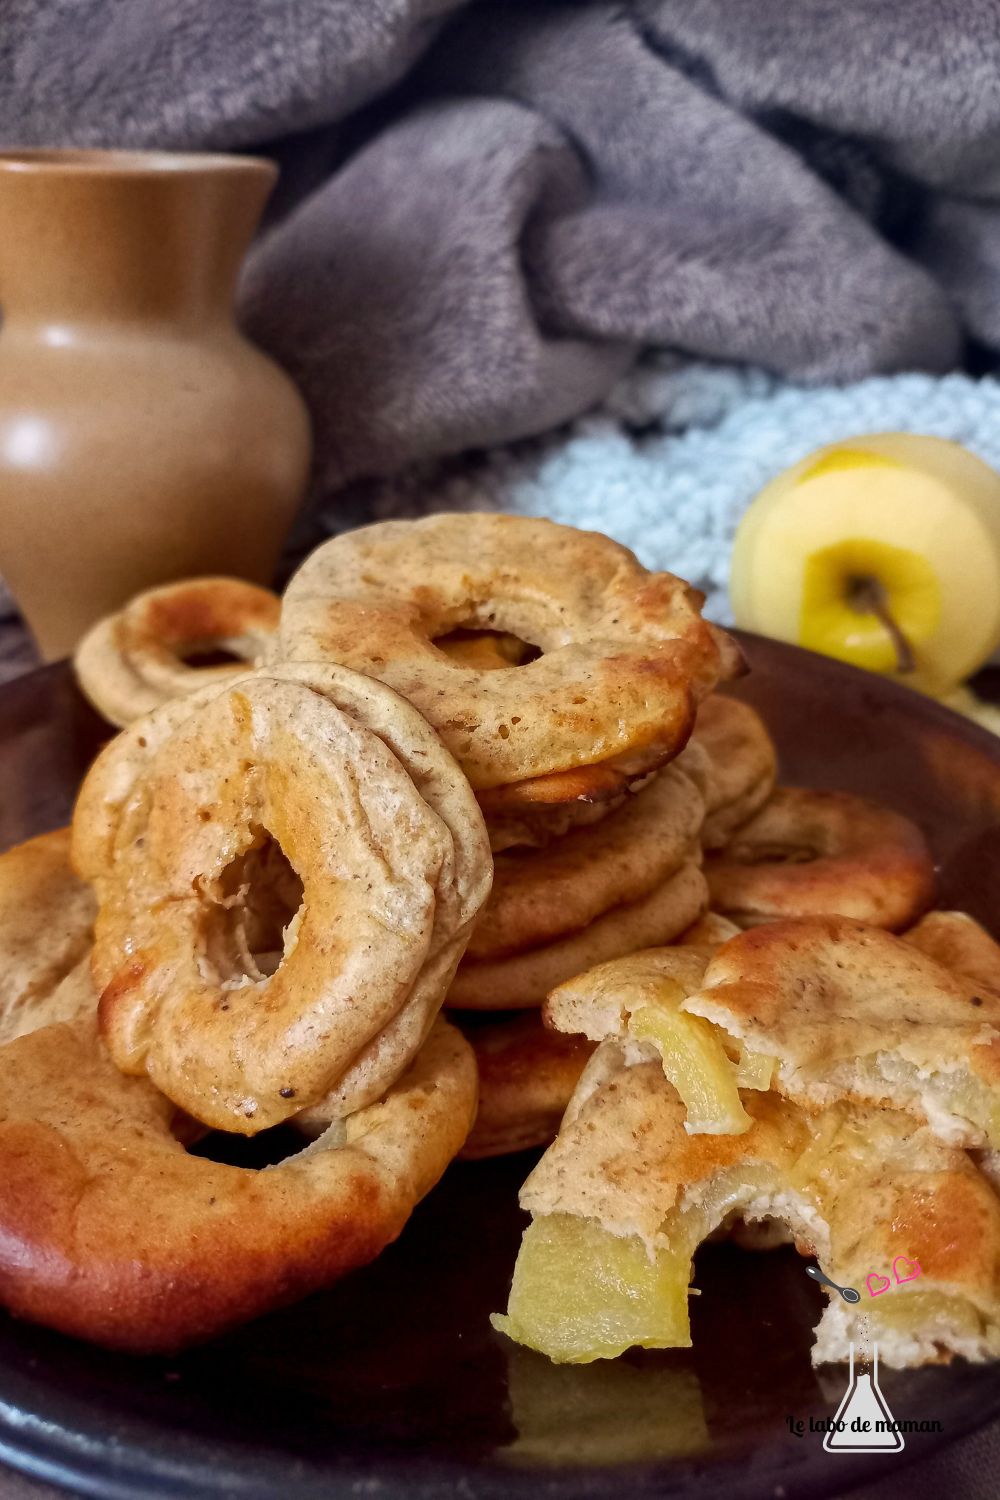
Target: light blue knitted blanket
x,y
667,465
670,463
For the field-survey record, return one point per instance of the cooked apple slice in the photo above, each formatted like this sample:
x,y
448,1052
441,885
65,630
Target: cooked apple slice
x,y
580,1293
640,996
852,1012
696,1063
755,1070
624,1196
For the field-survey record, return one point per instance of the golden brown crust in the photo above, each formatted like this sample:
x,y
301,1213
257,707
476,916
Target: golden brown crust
x,y
202,612
600,785
856,1186
531,814
537,827
591,784
131,662
957,942
815,853
294,752
624,1158
597,1004
541,895
738,765
46,927
852,1012
527,1075
710,931
626,655
110,1231
525,979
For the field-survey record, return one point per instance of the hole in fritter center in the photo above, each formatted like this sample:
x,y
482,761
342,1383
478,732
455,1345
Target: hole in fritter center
x,y
772,854
488,650
249,910
265,1149
254,1152
203,654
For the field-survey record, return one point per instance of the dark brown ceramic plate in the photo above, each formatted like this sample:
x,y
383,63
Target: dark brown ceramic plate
x,y
393,1382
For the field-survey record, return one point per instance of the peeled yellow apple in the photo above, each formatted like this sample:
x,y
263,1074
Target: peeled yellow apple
x,y
883,551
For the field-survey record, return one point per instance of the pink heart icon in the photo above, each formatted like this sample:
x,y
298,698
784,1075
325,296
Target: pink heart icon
x,y
905,1269
872,1283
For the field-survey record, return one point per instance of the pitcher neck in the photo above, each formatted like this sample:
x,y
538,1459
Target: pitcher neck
x,y
162,244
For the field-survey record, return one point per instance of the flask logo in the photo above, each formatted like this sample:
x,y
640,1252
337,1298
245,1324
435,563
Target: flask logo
x,y
864,1423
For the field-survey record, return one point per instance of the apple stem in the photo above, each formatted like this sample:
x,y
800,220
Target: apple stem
x,y
868,597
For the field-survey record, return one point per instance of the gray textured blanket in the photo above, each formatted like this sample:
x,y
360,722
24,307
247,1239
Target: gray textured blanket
x,y
487,209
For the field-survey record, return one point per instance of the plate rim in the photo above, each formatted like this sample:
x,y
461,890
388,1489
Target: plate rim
x,y
37,1443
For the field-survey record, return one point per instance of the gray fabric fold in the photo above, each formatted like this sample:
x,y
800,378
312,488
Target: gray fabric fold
x,y
487,210
413,332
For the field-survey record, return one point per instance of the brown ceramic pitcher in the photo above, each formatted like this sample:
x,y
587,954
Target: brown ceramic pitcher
x,y
142,438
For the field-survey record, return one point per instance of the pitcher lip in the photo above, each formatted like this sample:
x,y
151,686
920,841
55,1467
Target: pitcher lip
x,y
98,161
